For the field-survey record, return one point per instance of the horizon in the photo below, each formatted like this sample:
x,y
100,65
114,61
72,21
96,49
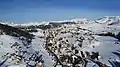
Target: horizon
x,y
24,11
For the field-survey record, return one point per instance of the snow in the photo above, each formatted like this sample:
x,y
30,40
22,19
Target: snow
x,y
39,33
38,45
6,42
25,24
17,65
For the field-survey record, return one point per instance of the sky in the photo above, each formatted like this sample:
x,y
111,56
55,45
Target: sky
x,y
23,11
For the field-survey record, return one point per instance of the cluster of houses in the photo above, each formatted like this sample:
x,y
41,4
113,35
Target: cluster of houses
x,y
67,51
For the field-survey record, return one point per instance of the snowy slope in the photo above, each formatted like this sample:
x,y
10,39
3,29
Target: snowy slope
x,y
37,45
5,43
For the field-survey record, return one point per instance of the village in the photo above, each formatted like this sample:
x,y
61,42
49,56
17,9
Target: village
x,y
64,44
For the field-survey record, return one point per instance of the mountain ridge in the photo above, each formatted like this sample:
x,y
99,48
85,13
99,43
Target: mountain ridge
x,y
102,20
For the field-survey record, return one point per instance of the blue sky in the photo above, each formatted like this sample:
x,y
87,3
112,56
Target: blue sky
x,y
21,11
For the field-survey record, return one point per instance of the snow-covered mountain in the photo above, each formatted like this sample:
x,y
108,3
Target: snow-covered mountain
x,y
109,20
68,43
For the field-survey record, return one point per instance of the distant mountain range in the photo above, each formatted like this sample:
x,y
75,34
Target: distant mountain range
x,y
109,20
